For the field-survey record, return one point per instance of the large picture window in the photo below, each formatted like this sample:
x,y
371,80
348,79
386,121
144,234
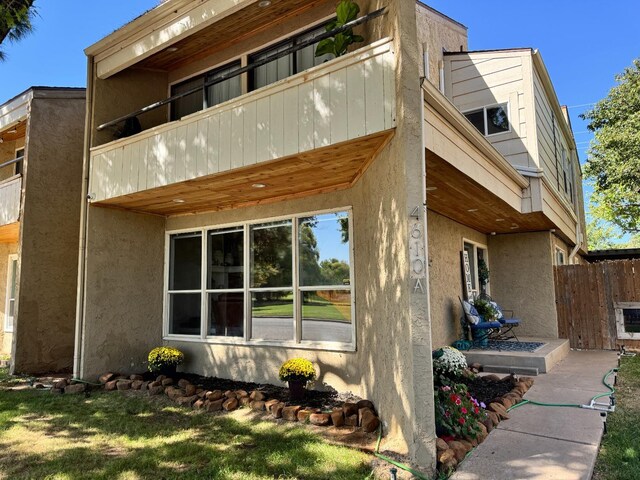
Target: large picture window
x,y
280,281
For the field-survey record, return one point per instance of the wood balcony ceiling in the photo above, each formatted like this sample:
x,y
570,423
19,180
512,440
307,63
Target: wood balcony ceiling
x,y
458,197
14,133
228,31
322,170
10,233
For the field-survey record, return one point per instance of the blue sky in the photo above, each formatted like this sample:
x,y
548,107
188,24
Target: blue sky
x,y
584,44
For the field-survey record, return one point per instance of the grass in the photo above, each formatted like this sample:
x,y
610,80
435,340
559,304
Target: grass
x,y
126,437
314,308
619,457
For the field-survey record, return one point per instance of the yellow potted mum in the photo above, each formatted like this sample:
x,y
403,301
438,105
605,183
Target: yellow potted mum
x,y
164,360
297,372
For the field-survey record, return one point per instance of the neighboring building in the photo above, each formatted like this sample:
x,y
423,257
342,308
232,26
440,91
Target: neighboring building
x,y
41,138
281,212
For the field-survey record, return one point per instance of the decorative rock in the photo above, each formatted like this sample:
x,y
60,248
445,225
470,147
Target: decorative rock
x,y
123,384
159,378
186,401
245,401
471,441
190,390
351,420
528,381
257,395
136,378
38,385
483,432
241,393
441,445
495,419
270,403
214,405
200,391
258,406
506,401
365,404
58,391
337,418
182,383
230,404
198,403
492,378
459,450
105,377
369,420
144,386
215,395
276,410
155,384
291,413
488,423
156,390
320,419
111,385
350,409
230,394
303,415
60,383
361,412
136,384
167,381
202,394
174,393
477,366
446,456
77,388
499,409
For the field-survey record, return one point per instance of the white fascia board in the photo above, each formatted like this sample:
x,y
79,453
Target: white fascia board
x,y
15,110
143,43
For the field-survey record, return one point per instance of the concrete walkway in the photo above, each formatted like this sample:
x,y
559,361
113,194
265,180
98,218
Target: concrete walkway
x,y
548,442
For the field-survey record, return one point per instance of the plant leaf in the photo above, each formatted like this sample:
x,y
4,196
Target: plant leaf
x,y
325,47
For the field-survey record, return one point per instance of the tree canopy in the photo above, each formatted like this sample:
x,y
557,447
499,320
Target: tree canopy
x,y
15,20
613,164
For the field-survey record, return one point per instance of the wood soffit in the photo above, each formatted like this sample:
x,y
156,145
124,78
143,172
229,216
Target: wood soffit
x,y
9,135
228,31
323,170
10,233
458,197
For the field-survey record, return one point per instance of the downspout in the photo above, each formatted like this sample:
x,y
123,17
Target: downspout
x,y
578,242
84,211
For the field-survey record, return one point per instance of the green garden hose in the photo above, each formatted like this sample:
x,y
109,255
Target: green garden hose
x,y
407,468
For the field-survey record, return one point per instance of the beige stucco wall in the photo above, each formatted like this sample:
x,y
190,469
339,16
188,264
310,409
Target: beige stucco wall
x,y
124,278
44,330
6,338
522,280
445,275
435,33
392,365
125,93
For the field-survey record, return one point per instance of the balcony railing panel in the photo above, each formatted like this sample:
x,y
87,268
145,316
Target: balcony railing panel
x,y
10,193
341,100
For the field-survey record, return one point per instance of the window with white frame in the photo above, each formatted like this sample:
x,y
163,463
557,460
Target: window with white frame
x,y
490,120
10,305
279,281
561,256
567,175
479,265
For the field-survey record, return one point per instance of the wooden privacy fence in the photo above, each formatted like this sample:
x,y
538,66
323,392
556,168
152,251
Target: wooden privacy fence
x,y
585,297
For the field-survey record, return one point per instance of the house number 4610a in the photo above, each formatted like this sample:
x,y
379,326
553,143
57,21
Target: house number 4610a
x,y
416,249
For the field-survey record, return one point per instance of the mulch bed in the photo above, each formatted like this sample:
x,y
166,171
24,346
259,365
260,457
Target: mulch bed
x,y
489,388
325,400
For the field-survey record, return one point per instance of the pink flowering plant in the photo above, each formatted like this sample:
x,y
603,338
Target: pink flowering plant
x,y
457,412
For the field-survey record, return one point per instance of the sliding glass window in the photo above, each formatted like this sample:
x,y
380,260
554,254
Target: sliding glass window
x,y
185,283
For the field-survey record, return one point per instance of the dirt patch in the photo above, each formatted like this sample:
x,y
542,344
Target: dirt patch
x,y
490,388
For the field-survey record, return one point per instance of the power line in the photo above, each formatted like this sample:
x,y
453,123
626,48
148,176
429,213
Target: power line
x,y
582,105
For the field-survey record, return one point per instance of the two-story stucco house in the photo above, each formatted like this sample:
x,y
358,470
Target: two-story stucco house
x,y
249,202
41,145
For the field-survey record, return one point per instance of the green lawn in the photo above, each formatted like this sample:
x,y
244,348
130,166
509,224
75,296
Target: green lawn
x,y
619,457
116,436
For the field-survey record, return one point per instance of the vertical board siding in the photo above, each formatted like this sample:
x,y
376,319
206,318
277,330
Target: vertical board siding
x,y
10,193
341,100
585,295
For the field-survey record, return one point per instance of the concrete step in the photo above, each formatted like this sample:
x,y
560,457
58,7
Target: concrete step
x,y
527,371
543,359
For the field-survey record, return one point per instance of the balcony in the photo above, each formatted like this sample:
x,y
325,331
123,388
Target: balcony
x,y
10,192
314,132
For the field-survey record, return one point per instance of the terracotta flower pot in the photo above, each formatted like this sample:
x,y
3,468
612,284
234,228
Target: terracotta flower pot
x,y
297,390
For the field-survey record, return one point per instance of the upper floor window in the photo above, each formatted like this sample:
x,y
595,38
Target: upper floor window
x,y
18,165
205,97
567,175
490,120
561,256
287,65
